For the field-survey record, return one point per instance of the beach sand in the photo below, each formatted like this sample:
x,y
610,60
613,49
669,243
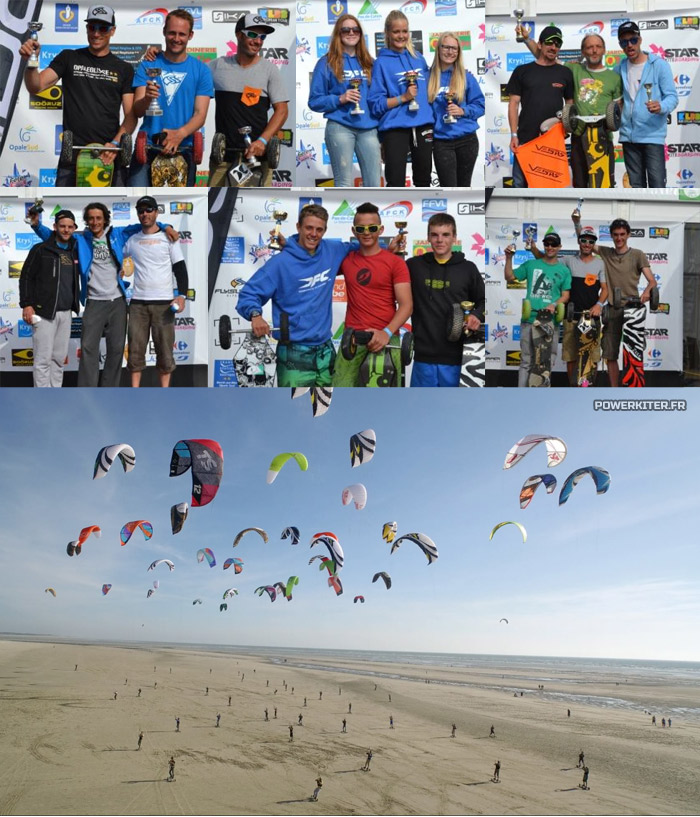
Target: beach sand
x,y
69,748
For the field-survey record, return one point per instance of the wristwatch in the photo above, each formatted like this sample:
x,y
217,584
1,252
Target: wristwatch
x,y
256,313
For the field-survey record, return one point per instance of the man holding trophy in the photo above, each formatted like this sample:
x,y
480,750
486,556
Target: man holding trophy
x,y
246,87
96,86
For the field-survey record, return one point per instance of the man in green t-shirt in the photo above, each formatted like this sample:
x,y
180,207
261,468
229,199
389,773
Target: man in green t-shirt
x,y
548,284
595,87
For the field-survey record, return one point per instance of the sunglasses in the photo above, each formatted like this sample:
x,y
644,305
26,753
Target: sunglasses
x,y
254,35
368,228
143,210
102,28
349,30
629,41
554,41
550,244
586,241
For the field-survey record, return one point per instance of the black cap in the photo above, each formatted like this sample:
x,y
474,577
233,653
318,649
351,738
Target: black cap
x,y
550,31
627,28
552,235
146,201
254,21
64,214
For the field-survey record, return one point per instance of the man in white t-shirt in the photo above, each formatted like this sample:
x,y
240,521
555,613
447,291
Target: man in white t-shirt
x,y
153,307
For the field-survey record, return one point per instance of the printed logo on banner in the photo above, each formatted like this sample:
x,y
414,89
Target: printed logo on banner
x,y
303,48
497,33
398,209
309,120
686,178
335,8
305,13
322,45
656,334
49,100
514,60
344,213
14,269
492,62
595,27
152,17
675,54
306,155
445,8
225,374
479,245
368,11
305,201
196,12
49,51
282,178
414,6
234,250
228,16
513,356
259,251
24,329
10,299
22,357
121,210
494,155
499,332
466,208
475,4
500,125
18,178
683,84
185,208
689,150
505,308
688,117
276,16
6,328
659,232
25,241
637,232
652,25
464,37
66,17
657,258
26,135
432,206
687,22
612,58
5,213
616,22
183,324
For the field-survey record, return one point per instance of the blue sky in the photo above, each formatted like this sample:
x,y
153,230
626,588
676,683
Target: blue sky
x,y
610,576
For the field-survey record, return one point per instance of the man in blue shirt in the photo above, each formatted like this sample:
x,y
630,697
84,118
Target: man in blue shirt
x,y
183,90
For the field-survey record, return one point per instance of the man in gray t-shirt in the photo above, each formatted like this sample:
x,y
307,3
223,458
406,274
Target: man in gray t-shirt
x,y
246,86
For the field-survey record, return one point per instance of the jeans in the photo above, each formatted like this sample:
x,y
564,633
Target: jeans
x,y
341,142
645,164
397,143
455,159
140,175
108,317
519,179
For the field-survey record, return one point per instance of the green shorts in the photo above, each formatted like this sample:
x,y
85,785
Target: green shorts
x,y
299,364
347,372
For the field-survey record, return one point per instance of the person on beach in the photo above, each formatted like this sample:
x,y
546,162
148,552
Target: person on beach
x,y
115,696
274,712
218,718
320,696
140,739
391,721
171,767
319,785
669,723
266,716
304,701
291,732
139,694
300,720
177,724
653,720
229,700
584,782
345,724
454,730
663,722
580,759
497,772
568,713
492,733
155,685
76,668
207,692
366,768
349,709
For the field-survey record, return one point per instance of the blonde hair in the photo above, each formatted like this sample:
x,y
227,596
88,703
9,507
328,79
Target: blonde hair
x,y
458,80
391,18
335,50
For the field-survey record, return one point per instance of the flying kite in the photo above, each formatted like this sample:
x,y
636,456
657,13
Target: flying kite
x,y
197,601
356,493
362,447
242,533
150,593
425,543
327,563
108,454
266,588
517,525
330,540
223,607
281,459
600,477
292,534
106,588
157,562
206,459
320,397
361,599
531,484
389,531
77,546
50,590
237,565
336,584
206,553
178,514
230,593
382,575
555,447
504,619
145,527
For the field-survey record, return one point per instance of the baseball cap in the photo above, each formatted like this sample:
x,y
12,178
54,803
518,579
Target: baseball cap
x,y
64,214
102,14
553,237
548,32
146,201
254,21
588,231
629,27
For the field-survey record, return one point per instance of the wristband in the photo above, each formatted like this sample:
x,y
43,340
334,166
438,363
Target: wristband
x,y
388,331
264,141
114,142
513,135
598,303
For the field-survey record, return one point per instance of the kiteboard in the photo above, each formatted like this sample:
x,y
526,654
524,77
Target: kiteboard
x,y
587,330
473,369
542,343
633,335
379,369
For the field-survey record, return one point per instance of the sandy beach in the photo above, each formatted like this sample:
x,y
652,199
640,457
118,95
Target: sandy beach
x,y
70,747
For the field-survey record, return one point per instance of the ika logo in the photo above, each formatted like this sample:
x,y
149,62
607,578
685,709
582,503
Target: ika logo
x,y
399,209
686,22
153,17
303,48
683,84
466,208
334,9
306,155
433,206
688,117
25,241
596,27
196,12
652,25
318,280
414,6
475,4
659,232
66,17
227,16
637,232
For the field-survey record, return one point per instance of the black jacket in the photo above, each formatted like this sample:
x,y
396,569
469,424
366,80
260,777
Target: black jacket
x,y
436,287
38,282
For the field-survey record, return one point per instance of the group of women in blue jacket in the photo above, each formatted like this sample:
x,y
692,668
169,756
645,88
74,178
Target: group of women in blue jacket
x,y
395,105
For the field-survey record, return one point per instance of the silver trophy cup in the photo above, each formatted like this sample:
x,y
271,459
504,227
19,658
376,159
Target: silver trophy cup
x,y
154,108
34,28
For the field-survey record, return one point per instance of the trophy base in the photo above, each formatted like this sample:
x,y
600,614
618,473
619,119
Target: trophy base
x,y
355,112
154,112
413,106
448,119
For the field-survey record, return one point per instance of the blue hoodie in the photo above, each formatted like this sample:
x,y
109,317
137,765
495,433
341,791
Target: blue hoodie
x,y
638,125
299,284
388,80
472,103
116,239
326,89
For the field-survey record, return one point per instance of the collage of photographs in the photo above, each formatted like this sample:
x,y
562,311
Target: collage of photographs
x,y
458,237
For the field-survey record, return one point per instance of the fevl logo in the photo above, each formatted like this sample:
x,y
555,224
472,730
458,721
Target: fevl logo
x,y
153,17
66,17
595,27
432,206
399,209
196,12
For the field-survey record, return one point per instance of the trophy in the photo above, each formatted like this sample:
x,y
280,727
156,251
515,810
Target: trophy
x,y
279,216
412,79
448,119
519,14
577,211
35,209
34,28
252,162
401,227
647,88
127,267
154,108
355,83
530,231
516,233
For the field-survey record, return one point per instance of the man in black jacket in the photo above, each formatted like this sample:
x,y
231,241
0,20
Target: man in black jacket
x,y
49,289
440,279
